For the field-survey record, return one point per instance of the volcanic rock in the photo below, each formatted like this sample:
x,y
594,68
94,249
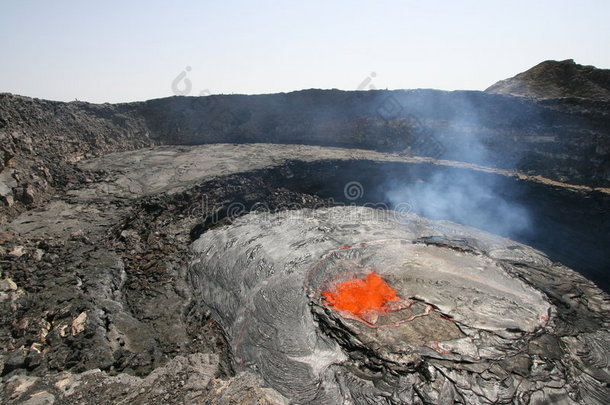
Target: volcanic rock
x,y
117,250
553,79
561,139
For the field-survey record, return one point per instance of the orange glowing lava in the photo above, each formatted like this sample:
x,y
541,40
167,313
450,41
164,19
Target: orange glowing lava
x,y
361,296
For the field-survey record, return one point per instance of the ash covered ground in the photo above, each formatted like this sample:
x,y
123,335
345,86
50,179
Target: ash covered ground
x,y
145,258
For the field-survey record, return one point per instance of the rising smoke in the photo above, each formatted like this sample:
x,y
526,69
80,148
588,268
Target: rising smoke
x,y
482,200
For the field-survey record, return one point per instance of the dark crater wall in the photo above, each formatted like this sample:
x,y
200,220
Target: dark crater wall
x,y
41,140
562,139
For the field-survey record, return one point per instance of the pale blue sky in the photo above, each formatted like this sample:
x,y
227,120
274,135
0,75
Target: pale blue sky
x,y
114,51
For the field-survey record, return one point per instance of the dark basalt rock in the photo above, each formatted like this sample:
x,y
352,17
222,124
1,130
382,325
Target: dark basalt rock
x,y
562,139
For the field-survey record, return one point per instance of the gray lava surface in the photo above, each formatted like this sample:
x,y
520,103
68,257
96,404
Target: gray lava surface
x,y
503,323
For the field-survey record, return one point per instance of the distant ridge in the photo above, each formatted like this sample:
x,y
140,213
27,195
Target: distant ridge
x,y
557,79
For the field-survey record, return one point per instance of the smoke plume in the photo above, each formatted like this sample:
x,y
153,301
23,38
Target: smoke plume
x,y
482,200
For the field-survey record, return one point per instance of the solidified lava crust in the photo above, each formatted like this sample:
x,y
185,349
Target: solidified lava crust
x,y
477,320
448,297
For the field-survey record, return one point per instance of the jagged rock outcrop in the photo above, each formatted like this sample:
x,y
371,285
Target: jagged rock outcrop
x,y
41,140
557,79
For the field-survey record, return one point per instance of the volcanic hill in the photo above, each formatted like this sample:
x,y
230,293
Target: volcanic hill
x,y
553,79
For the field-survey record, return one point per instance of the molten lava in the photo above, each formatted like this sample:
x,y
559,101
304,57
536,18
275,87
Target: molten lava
x,y
362,297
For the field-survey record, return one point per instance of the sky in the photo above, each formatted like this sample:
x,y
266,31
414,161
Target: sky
x,y
120,51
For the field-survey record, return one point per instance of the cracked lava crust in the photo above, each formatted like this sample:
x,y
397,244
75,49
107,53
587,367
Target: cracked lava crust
x,y
451,314
437,301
